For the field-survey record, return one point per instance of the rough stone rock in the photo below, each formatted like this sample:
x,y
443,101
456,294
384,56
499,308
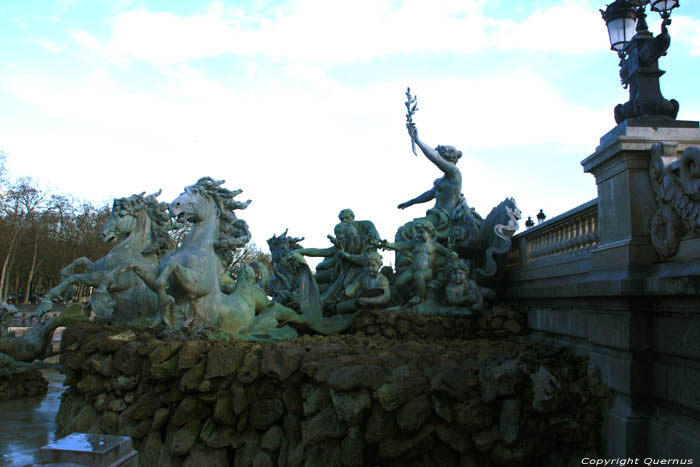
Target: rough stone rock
x,y
223,360
566,428
512,326
193,377
223,410
203,456
164,351
411,416
189,408
357,376
441,454
350,406
407,446
509,422
292,400
117,405
167,459
380,425
101,402
272,438
159,418
150,450
501,380
454,439
165,370
404,384
91,384
144,408
319,398
547,393
485,439
216,436
265,412
139,431
248,449
125,383
250,369
26,384
262,459
453,381
110,422
320,370
281,359
184,438
352,448
323,454
241,398
442,408
520,453
192,353
126,360
101,364
325,424
292,426
474,415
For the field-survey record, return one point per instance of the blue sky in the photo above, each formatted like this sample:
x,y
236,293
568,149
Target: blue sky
x,y
300,103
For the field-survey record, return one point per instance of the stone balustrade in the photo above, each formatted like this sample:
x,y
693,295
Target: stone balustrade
x,y
569,235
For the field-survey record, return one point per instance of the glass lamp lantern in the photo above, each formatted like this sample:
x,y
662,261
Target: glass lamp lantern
x,y
620,19
663,7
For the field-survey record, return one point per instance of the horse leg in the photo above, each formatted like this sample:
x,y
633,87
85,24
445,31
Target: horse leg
x,y
80,262
166,303
90,278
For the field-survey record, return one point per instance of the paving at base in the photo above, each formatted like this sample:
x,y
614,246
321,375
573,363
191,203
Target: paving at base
x,y
28,424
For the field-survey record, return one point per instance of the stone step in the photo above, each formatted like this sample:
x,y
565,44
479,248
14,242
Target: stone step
x,y
90,450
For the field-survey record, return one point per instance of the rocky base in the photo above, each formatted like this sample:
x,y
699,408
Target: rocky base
x,y
498,322
26,384
349,400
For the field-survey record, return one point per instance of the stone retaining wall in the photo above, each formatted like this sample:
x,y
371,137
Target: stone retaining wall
x,y
347,400
497,322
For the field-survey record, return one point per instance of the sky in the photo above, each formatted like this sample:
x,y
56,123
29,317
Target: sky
x,y
300,103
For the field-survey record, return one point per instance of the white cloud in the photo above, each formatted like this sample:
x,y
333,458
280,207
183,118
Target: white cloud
x,y
322,31
50,45
571,27
686,30
301,152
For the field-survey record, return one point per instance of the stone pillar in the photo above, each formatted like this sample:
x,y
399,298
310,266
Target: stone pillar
x,y
626,201
626,204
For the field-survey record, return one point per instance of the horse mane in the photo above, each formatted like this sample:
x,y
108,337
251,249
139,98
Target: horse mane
x,y
157,212
233,232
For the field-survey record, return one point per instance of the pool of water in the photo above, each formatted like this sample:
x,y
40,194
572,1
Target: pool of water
x,y
28,424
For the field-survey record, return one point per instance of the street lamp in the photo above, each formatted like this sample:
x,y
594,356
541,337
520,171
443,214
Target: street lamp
x,y
639,52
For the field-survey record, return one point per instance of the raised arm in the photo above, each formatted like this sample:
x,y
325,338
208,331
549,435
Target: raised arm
x,y
433,156
316,252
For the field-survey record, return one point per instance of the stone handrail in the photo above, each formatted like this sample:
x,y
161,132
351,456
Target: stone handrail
x,y
571,234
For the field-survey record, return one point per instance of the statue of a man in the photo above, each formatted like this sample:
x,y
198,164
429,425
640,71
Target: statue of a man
x,y
447,190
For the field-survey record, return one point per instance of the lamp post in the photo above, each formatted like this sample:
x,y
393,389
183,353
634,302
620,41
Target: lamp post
x,y
639,52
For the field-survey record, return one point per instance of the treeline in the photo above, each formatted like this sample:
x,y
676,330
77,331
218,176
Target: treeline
x,y
42,232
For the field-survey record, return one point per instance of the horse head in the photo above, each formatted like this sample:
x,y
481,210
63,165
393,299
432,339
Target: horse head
x,y
141,216
122,221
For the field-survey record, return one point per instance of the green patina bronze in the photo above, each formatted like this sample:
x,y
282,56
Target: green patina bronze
x,y
447,262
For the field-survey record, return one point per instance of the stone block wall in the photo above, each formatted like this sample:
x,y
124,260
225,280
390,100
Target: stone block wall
x,y
350,400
